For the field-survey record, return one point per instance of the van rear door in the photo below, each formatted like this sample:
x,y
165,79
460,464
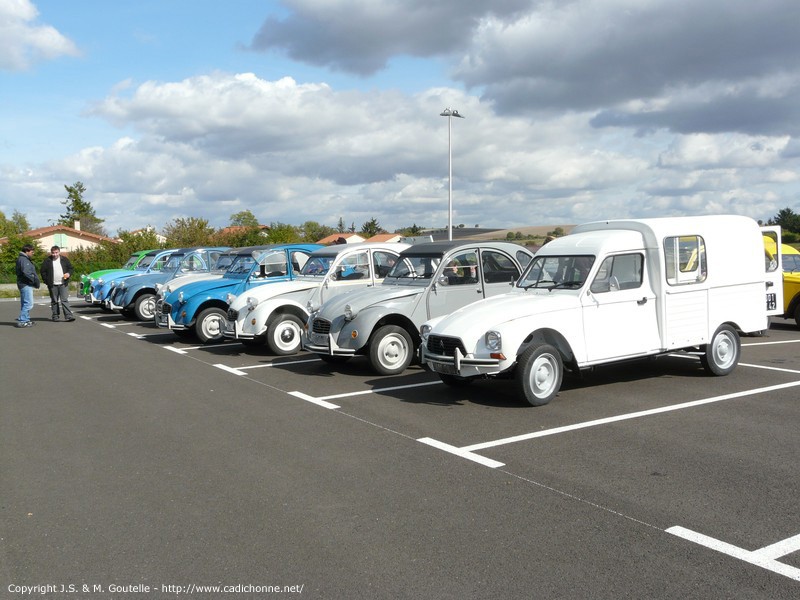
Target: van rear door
x,y
773,266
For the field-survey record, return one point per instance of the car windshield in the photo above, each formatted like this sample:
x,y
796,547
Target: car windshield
x,y
317,266
413,267
241,265
173,262
552,272
791,262
146,262
224,261
131,262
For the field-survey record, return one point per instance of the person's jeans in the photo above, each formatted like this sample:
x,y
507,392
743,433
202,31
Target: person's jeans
x,y
59,294
26,303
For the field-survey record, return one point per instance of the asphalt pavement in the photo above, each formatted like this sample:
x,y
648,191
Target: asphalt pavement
x,y
137,464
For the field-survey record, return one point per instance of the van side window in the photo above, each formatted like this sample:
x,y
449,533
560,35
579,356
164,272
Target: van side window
x,y
622,272
685,258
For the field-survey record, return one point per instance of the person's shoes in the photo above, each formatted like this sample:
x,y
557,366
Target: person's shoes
x,y
25,324
70,319
55,318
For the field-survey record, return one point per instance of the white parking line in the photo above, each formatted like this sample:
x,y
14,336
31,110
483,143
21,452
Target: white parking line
x,y
586,424
764,558
230,369
313,400
280,364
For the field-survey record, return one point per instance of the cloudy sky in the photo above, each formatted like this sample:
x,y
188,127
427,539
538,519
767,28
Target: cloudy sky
x,y
297,110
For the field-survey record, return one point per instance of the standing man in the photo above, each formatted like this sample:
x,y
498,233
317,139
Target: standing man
x,y
56,271
27,279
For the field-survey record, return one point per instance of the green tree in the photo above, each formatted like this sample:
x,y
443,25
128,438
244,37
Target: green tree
x,y
191,231
371,227
17,224
244,218
81,210
313,231
10,251
281,233
340,226
787,219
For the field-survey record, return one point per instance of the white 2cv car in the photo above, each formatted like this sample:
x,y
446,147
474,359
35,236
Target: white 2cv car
x,y
275,314
428,281
611,291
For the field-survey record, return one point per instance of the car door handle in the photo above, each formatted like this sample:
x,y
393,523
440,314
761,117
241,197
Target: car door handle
x,y
642,301
770,284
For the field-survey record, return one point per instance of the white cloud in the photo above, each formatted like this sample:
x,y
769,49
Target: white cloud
x,y
23,42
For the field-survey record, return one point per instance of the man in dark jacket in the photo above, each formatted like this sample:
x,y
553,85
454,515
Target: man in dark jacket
x,y
56,272
27,280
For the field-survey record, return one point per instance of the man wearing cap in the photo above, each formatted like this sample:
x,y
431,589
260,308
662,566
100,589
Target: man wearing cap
x,y
56,271
27,279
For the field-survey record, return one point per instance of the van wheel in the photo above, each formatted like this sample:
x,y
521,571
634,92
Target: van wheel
x,y
540,371
145,307
797,315
390,350
333,359
210,324
722,354
283,335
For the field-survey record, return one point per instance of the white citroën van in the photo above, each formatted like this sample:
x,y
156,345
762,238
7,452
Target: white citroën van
x,y
611,291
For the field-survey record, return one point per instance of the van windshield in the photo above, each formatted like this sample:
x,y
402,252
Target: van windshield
x,y
551,272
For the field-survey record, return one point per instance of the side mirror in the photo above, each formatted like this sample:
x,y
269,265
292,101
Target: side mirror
x,y
443,280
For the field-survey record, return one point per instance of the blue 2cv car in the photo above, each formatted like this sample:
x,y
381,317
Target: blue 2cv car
x,y
200,307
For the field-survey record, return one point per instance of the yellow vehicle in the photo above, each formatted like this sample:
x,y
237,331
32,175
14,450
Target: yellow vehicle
x,y
790,257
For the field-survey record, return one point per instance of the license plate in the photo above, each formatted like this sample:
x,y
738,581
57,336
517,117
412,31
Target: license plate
x,y
772,302
444,368
162,320
319,339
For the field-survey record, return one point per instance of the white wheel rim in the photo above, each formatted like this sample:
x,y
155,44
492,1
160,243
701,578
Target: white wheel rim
x,y
392,351
212,326
543,376
724,351
148,308
287,336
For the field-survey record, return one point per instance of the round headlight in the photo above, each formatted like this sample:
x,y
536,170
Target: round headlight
x,y
251,303
349,313
100,281
180,297
229,298
494,341
424,331
158,287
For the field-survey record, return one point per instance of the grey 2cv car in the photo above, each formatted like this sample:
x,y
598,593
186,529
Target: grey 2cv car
x,y
429,280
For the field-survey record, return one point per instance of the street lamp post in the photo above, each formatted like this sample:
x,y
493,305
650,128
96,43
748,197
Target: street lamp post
x,y
450,114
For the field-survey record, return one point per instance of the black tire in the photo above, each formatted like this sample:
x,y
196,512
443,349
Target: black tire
x,y
284,334
145,307
722,355
210,324
540,371
797,314
183,333
390,350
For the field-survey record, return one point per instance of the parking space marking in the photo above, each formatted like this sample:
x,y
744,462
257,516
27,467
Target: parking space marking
x,y
374,390
229,369
782,370
462,452
764,558
313,400
176,350
771,343
280,364
466,451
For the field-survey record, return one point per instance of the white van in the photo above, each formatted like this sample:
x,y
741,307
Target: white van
x,y
615,290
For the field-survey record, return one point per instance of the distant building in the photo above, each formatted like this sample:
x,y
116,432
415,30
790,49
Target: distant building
x,y
263,229
341,238
386,237
159,238
66,238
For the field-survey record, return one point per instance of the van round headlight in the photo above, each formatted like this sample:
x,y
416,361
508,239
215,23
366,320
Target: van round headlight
x,y
424,331
252,303
494,341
